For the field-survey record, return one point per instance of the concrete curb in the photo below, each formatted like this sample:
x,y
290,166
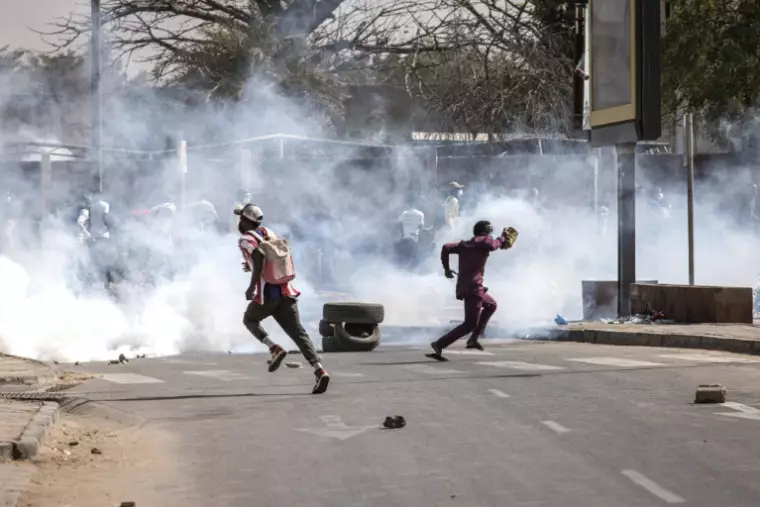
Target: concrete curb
x,y
736,345
34,435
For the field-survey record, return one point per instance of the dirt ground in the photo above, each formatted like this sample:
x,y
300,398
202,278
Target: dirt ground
x,y
94,462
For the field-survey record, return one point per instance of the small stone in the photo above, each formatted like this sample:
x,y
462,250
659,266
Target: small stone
x,y
127,504
394,422
73,443
293,364
710,393
95,450
113,361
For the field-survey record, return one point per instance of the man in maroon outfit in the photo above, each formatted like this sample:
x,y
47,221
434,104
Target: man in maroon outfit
x,y
478,305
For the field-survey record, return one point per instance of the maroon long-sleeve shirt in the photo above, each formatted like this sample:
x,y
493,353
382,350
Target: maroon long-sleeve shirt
x,y
473,255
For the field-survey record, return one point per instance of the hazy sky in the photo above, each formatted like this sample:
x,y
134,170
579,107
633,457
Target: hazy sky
x,y
17,16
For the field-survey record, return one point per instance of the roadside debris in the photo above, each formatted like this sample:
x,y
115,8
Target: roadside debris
x,y
127,504
293,364
656,318
394,422
95,450
710,393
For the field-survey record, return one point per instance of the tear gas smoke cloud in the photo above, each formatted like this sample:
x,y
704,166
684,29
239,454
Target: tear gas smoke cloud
x,y
335,204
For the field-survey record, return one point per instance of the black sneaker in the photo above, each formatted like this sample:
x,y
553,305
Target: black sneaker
x,y
278,356
323,379
474,343
437,352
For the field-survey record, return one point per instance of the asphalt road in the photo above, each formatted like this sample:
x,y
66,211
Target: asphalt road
x,y
530,424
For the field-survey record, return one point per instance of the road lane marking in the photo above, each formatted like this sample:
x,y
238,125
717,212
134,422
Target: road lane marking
x,y
613,361
742,411
224,375
518,365
740,407
709,358
169,360
336,428
470,352
654,488
430,370
499,393
129,378
555,426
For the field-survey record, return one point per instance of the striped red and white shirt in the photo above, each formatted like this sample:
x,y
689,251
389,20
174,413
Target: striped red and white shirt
x,y
248,244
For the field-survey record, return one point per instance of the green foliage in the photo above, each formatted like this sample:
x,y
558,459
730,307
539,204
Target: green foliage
x,y
711,58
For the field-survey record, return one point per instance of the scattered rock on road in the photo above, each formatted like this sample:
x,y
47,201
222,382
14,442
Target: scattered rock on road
x,y
293,364
710,393
95,450
394,422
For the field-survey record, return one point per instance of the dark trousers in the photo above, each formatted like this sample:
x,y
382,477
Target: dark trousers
x,y
285,312
479,307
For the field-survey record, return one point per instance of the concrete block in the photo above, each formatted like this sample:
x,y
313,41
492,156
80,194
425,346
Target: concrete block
x,y
710,393
27,448
600,298
694,304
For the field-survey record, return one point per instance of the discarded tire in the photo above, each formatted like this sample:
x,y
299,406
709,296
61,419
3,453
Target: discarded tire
x,y
366,336
325,328
357,313
330,344
352,338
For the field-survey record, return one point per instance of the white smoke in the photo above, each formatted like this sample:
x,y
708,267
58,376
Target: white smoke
x,y
335,201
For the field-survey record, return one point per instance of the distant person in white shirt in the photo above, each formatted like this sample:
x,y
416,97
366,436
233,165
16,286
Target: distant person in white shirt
x,y
451,203
412,220
93,222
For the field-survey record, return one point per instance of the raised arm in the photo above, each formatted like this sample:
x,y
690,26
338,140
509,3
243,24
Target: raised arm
x,y
503,242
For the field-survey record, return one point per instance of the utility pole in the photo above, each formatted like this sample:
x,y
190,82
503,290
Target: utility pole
x,y
96,93
689,132
579,77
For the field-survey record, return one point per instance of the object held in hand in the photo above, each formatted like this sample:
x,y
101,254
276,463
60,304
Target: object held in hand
x,y
511,234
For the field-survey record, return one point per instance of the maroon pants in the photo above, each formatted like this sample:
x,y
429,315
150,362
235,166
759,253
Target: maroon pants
x,y
479,307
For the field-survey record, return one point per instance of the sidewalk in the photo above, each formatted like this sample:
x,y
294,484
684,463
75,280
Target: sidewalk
x,y
18,371
740,338
24,424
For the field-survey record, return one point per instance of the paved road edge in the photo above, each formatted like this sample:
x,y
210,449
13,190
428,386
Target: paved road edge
x,y
725,344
